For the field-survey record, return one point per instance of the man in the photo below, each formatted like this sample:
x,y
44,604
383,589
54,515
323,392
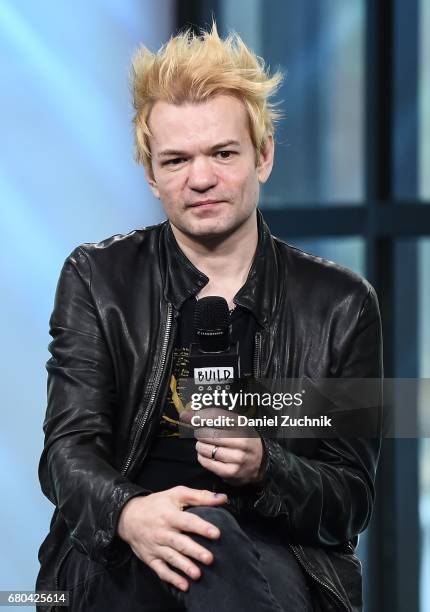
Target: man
x,y
146,519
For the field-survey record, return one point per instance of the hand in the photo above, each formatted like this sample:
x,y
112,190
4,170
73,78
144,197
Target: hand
x,y
153,525
238,460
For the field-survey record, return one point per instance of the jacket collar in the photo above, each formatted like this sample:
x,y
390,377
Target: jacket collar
x,y
262,288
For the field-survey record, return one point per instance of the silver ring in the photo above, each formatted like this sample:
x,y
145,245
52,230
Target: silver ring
x,y
214,450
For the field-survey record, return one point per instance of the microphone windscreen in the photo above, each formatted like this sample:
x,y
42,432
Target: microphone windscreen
x,y
211,313
212,324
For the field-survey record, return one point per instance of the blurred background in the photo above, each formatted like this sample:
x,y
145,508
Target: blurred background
x,y
351,183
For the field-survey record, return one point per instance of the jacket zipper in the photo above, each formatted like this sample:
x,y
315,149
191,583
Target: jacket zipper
x,y
323,583
154,388
60,564
142,420
257,355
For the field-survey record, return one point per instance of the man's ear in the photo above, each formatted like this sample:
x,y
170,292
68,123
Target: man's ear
x,y
265,161
149,174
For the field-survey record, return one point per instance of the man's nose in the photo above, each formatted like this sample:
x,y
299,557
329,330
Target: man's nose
x,y
201,175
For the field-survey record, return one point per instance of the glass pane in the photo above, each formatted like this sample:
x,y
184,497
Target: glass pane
x,y
320,46
66,176
423,415
348,252
424,103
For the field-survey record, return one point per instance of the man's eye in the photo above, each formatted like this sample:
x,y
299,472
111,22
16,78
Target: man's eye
x,y
225,154
175,161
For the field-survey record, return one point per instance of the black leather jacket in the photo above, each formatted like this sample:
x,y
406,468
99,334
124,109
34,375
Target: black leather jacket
x,y
113,328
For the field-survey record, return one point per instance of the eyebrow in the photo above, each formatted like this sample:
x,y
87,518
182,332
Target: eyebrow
x,y
179,153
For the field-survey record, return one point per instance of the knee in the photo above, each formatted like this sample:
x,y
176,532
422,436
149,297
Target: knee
x,y
234,546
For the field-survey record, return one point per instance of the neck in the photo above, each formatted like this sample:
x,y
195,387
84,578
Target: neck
x,y
226,260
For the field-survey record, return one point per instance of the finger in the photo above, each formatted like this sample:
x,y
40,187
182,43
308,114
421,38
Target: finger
x,y
233,441
206,413
186,419
222,453
211,433
191,523
163,571
186,546
178,561
223,470
186,496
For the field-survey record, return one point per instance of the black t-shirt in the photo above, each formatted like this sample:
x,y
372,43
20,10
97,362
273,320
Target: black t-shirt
x,y
172,459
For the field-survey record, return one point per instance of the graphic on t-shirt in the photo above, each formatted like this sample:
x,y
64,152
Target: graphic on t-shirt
x,y
176,401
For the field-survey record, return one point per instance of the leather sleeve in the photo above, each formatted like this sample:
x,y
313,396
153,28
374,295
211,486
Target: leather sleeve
x,y
328,499
76,470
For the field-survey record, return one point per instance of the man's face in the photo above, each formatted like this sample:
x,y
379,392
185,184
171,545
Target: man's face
x,y
204,165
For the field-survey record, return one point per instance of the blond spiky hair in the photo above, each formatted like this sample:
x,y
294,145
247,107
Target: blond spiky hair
x,y
191,68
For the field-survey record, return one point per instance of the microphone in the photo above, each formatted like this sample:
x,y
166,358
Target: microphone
x,y
214,358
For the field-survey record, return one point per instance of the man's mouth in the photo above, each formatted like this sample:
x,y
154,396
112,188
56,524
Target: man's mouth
x,y
204,203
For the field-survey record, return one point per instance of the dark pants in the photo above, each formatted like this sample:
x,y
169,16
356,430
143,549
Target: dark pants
x,y
251,570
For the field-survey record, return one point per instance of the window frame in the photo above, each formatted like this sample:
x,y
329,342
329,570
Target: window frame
x,y
390,213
